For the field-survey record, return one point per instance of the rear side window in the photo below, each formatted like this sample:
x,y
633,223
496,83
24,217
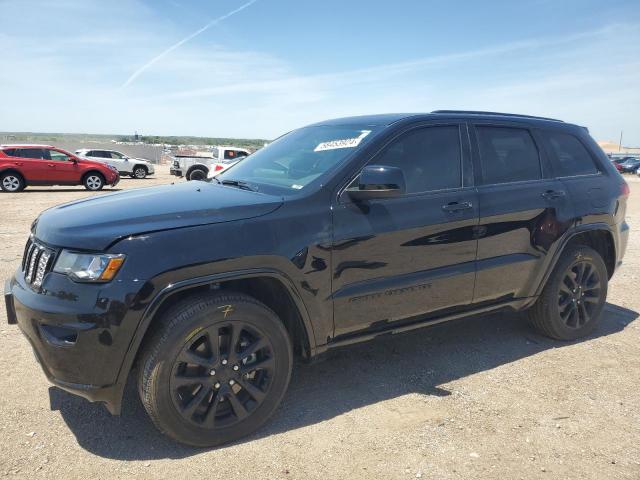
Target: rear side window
x,y
507,155
569,156
38,153
230,154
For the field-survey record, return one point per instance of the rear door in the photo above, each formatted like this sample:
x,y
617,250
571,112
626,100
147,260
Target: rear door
x,y
411,255
523,211
31,163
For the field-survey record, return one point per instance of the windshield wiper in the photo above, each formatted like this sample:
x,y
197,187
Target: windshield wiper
x,y
239,184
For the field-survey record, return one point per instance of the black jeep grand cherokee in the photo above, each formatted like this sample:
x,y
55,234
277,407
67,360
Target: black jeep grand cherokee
x,y
333,234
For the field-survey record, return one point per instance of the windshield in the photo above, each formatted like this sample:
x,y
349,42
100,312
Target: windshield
x,y
296,159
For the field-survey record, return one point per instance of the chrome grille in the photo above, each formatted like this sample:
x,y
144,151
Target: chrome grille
x,y
37,261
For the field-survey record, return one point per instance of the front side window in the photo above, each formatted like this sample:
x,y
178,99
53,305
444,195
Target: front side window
x,y
430,158
298,158
507,155
116,155
568,155
58,156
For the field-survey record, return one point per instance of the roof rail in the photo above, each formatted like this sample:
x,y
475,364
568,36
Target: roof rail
x,y
475,112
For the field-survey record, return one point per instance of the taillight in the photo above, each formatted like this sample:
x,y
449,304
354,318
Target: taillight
x,y
624,190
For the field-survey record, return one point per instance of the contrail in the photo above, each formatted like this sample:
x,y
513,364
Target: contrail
x,y
139,71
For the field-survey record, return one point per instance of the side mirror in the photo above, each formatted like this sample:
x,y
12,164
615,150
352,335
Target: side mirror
x,y
379,181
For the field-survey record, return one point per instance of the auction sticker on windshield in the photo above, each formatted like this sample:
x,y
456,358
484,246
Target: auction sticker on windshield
x,y
343,143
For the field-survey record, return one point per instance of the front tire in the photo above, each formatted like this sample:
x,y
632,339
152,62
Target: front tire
x,y
139,173
93,181
215,369
573,298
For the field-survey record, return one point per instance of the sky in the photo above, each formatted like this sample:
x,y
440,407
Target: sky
x,y
259,68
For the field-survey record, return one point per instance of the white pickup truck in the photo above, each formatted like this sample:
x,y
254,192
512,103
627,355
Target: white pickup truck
x,y
198,168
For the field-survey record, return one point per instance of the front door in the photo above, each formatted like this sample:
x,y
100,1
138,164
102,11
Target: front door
x,y
412,255
62,168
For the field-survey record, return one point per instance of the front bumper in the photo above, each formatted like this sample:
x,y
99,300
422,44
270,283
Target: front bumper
x,y
78,336
115,181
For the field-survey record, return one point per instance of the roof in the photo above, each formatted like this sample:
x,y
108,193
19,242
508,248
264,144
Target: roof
x,y
25,145
390,118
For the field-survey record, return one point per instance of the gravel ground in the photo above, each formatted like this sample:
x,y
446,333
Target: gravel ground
x,y
477,398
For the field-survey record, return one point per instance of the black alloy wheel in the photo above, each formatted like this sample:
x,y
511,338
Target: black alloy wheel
x,y
572,300
222,374
579,294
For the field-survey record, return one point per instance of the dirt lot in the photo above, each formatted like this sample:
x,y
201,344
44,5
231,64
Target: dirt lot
x,y
478,398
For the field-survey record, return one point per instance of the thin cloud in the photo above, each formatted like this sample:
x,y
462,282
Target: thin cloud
x,y
383,72
213,22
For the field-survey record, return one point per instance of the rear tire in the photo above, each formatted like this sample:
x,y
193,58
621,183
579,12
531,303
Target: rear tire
x,y
197,174
215,369
11,182
93,181
571,303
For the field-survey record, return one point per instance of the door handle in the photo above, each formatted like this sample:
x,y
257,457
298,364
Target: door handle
x,y
18,163
50,165
553,194
457,206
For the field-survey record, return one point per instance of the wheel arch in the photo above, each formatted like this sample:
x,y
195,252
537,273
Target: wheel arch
x,y
93,170
140,165
197,166
597,236
271,287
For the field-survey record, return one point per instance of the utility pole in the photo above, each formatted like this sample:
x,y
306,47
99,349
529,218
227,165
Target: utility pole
x,y
620,144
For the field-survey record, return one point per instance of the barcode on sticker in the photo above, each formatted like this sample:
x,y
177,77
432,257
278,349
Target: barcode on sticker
x,y
343,143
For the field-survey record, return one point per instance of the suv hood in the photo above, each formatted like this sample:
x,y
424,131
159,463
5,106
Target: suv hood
x,y
95,223
140,160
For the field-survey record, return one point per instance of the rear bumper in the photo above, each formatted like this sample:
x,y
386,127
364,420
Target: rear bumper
x,y
621,238
175,171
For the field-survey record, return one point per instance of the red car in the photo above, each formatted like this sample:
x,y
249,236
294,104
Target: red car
x,y
23,165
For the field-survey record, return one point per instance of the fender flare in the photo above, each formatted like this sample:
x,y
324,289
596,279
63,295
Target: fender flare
x,y
165,293
577,230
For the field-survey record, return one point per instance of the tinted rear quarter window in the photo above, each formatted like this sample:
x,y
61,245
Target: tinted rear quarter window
x,y
568,155
507,155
